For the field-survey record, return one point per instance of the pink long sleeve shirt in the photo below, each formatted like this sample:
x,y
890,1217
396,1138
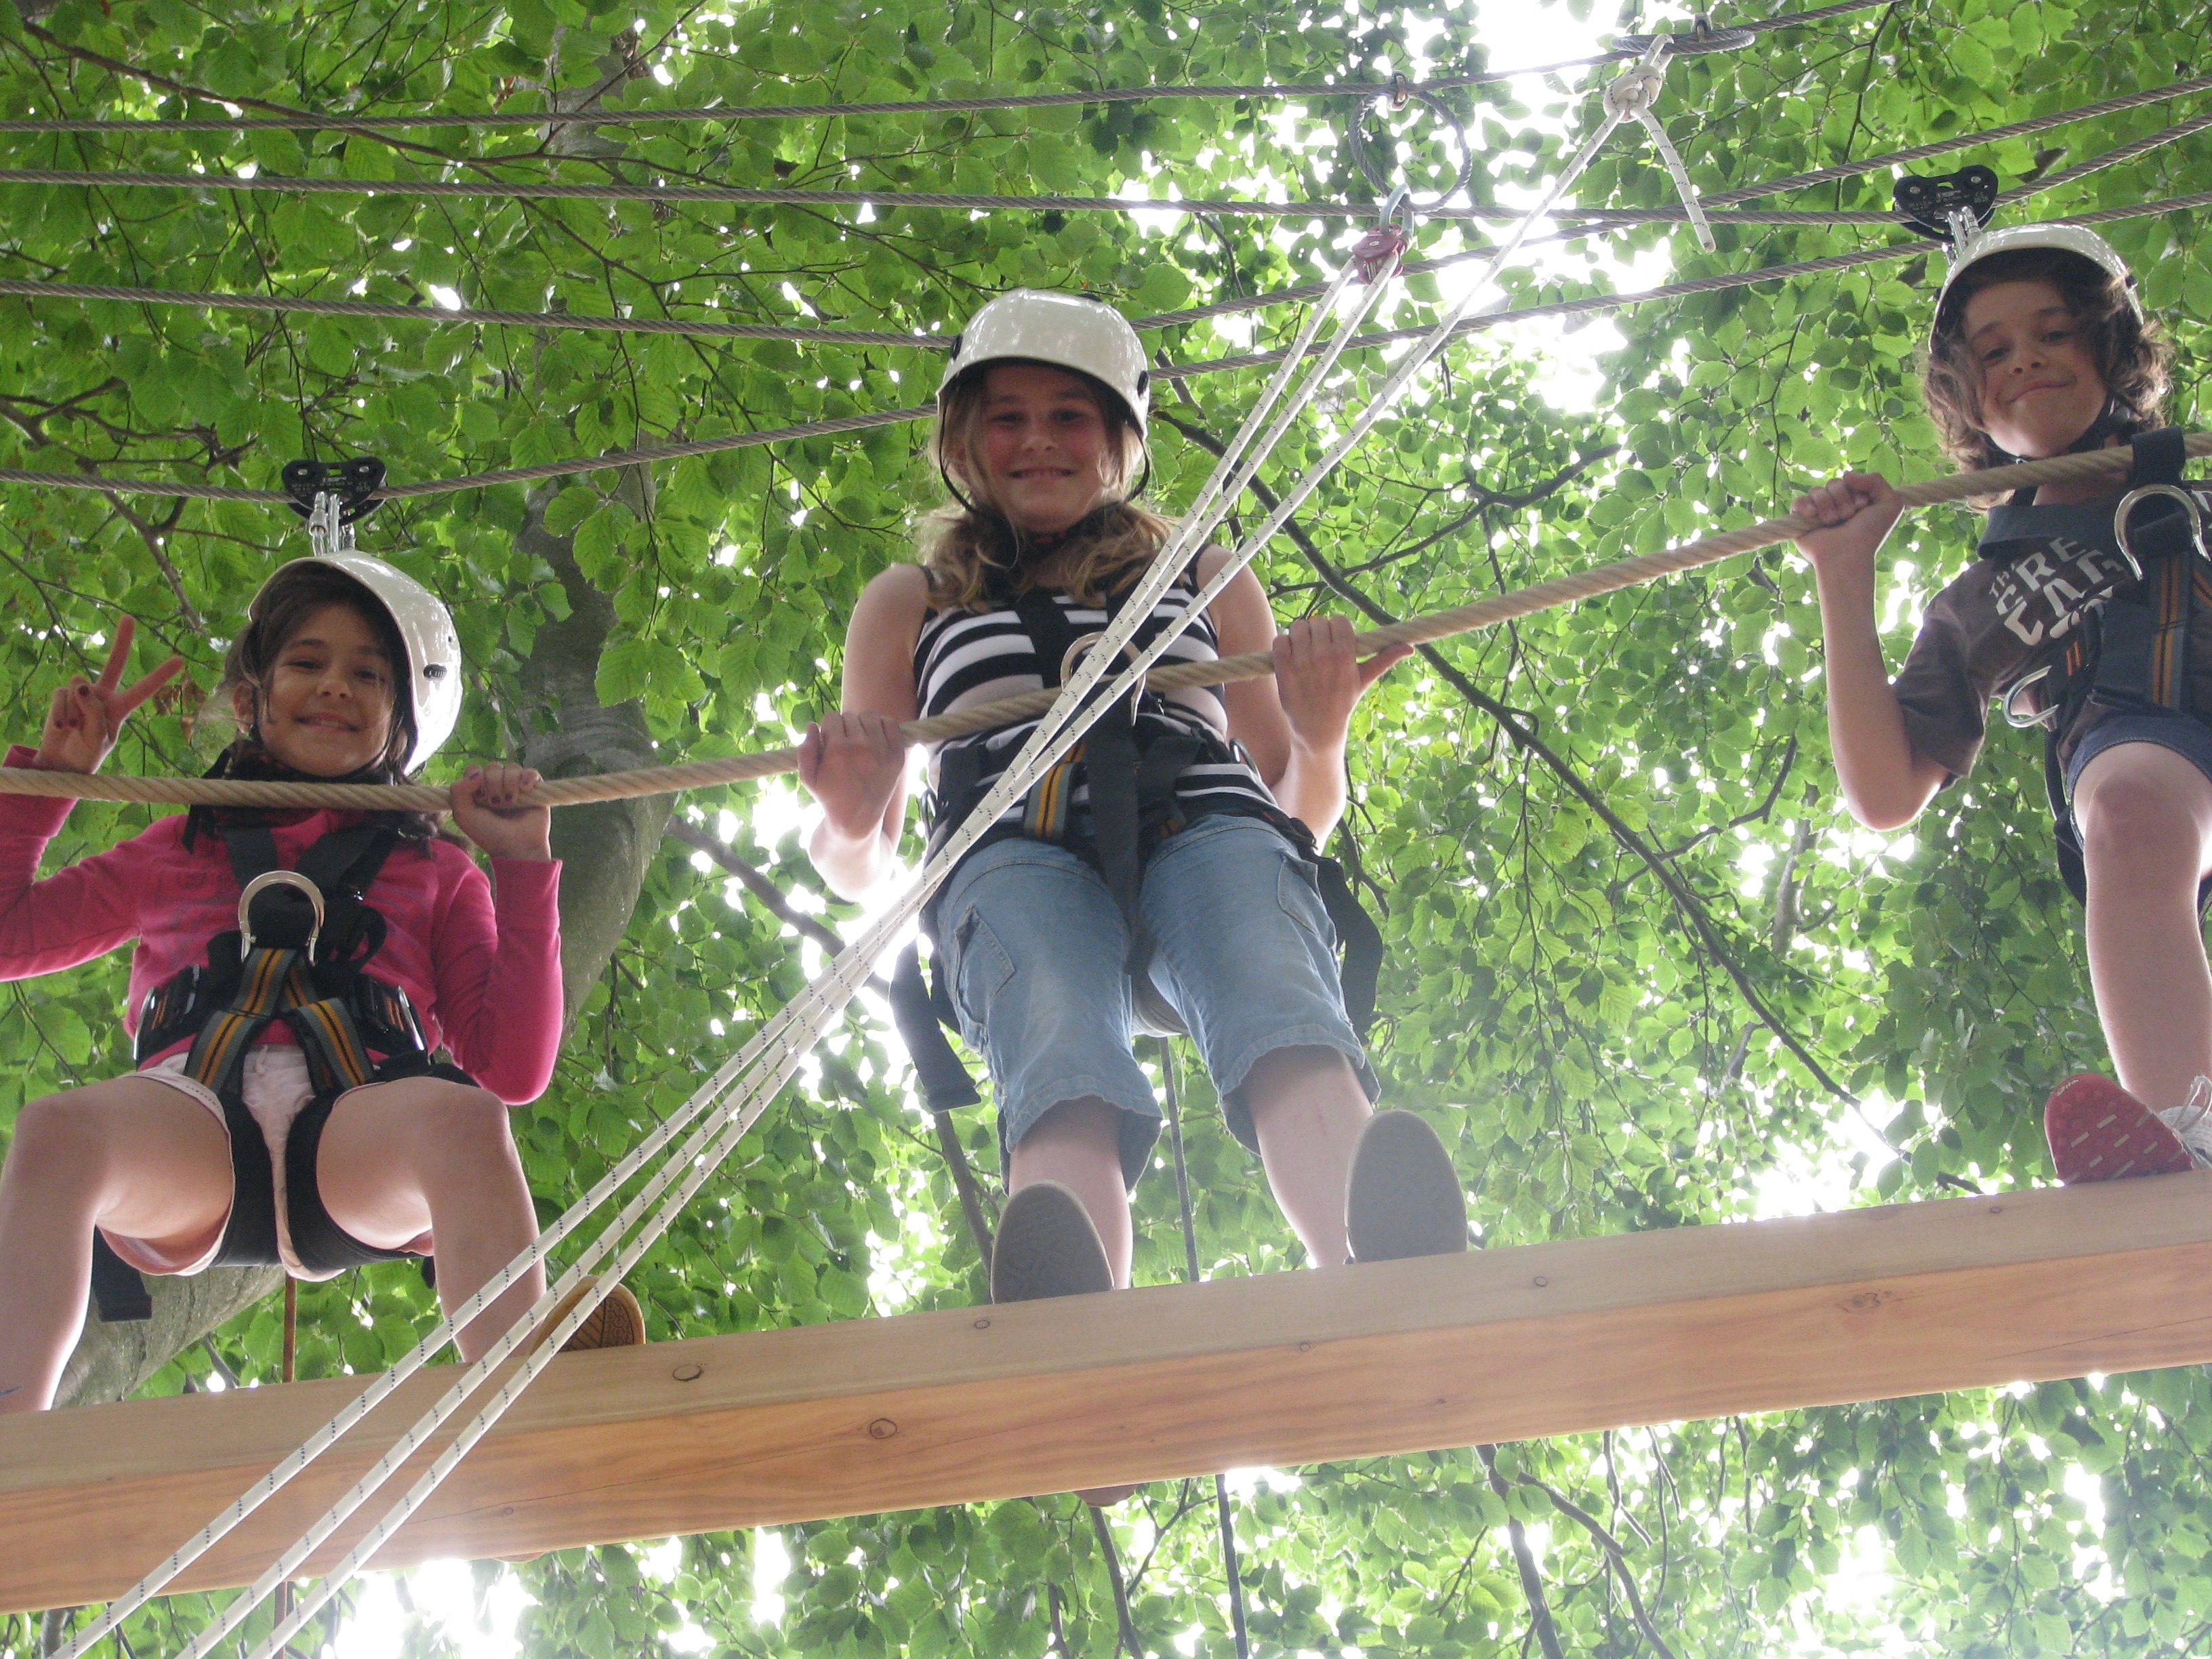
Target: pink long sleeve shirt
x,y
480,960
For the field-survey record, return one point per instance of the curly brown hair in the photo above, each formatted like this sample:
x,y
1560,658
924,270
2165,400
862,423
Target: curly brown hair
x,y
966,549
2131,353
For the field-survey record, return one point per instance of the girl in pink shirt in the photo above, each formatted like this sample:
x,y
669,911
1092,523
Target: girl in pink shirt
x,y
346,669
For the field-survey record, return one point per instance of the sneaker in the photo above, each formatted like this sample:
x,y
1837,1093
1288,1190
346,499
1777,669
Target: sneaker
x,y
2099,1132
1403,1198
1047,1247
617,1322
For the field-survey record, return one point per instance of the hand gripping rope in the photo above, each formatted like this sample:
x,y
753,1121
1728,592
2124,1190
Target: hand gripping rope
x,y
795,1030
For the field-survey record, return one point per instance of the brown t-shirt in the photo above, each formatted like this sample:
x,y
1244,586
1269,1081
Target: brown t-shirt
x,y
1996,621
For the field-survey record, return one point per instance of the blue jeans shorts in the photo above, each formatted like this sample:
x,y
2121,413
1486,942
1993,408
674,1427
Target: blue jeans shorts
x,y
1243,950
2186,735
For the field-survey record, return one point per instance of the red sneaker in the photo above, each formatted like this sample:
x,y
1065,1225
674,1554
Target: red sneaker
x,y
2099,1132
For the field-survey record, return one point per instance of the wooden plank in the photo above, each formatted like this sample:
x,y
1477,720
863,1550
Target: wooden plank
x,y
1289,1368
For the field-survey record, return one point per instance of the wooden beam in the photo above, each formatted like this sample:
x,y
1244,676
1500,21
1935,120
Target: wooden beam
x,y
1289,1368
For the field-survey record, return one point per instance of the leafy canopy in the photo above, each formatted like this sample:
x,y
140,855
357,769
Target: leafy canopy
x,y
1583,1032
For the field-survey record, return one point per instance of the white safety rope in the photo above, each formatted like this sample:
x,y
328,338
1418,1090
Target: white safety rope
x,y
1632,93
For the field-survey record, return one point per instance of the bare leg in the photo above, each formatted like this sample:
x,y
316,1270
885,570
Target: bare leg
x,y
398,1158
139,1159
2146,819
1308,1108
1079,1144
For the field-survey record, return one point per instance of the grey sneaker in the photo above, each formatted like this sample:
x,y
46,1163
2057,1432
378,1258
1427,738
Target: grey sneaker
x,y
1047,1247
1403,1198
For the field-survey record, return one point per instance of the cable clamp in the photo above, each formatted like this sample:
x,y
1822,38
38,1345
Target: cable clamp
x,y
1376,255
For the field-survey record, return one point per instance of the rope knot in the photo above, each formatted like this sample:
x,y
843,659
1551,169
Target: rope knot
x,y
1632,93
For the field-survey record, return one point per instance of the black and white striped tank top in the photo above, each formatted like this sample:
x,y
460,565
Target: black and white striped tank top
x,y
963,657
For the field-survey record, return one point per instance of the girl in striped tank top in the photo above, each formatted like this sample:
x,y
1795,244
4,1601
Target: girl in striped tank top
x,y
1040,432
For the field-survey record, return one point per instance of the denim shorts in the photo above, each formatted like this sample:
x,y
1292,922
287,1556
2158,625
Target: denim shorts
x,y
1243,949
2186,735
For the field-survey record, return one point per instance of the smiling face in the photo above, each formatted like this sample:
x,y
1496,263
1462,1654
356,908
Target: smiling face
x,y
1042,445
2038,379
326,704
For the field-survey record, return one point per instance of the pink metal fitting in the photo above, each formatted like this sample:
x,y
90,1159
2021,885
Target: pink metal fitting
x,y
1376,255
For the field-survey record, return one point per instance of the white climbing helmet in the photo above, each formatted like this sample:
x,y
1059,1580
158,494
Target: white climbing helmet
x,y
433,675
2063,238
1068,330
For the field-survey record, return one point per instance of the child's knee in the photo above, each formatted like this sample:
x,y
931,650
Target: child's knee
x,y
55,1137
470,1122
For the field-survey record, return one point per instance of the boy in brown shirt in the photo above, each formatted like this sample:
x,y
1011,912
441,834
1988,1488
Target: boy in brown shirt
x,y
2088,613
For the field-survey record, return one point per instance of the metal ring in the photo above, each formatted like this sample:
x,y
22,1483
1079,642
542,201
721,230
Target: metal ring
x,y
1073,657
260,885
2120,515
2012,695
1363,156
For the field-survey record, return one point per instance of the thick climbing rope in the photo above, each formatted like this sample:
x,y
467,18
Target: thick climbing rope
x,y
373,124
1587,305
810,1013
1006,711
1058,727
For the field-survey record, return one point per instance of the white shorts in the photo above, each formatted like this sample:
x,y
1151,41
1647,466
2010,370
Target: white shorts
x,y
274,1083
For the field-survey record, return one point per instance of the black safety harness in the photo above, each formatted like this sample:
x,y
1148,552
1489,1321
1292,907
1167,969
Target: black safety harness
x,y
305,938
2131,653
1132,770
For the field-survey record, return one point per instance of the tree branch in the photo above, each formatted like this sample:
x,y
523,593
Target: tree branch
x,y
1617,1556
1524,737
1532,1582
1128,1626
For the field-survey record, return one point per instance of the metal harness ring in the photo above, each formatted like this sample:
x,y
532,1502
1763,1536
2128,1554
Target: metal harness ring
x,y
260,885
2175,492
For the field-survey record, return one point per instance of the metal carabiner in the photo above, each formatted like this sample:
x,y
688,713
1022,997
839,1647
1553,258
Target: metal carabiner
x,y
2020,712
2127,506
260,885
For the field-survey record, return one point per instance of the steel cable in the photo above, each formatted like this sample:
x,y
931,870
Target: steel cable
x,y
371,124
1588,305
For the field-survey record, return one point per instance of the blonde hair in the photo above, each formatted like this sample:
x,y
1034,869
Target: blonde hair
x,y
972,554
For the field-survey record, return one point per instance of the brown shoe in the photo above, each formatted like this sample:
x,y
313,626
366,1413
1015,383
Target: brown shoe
x,y
1047,1247
617,1322
1403,1198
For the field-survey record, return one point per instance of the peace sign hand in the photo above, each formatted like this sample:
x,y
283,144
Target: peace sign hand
x,y
87,717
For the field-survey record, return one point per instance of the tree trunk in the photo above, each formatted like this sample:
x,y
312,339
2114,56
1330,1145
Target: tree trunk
x,y
113,1362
